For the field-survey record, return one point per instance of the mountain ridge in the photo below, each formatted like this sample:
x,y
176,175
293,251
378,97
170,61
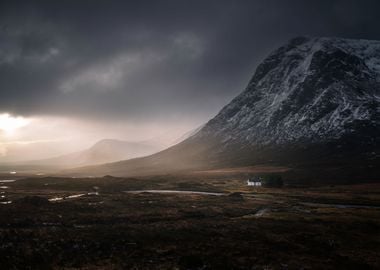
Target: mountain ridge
x,y
313,100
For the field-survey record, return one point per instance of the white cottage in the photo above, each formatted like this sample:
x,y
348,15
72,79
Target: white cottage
x,y
254,181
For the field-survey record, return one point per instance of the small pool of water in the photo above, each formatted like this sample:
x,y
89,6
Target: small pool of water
x,y
6,202
55,199
7,180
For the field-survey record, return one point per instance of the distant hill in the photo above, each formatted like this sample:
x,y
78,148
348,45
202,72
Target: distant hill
x,y
104,151
313,103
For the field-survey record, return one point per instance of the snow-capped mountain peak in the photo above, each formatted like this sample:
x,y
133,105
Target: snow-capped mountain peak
x,y
311,89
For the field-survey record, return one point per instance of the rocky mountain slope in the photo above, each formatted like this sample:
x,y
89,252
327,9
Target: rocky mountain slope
x,y
310,90
312,101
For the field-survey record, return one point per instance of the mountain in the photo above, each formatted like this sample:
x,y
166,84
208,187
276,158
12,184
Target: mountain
x,y
107,150
313,103
188,134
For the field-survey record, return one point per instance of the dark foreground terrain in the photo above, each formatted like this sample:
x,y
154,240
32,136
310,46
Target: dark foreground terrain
x,y
67,223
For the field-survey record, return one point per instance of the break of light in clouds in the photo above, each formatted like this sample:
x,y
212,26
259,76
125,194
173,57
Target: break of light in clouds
x,y
8,123
87,70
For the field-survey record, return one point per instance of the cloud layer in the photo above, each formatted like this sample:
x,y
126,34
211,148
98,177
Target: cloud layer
x,y
152,61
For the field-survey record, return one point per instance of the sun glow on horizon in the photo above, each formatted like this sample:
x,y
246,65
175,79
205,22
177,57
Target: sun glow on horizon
x,y
25,138
9,124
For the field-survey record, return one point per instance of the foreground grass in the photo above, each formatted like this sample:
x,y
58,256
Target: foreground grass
x,y
290,228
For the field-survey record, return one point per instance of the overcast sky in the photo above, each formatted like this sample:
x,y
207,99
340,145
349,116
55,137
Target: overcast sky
x,y
140,65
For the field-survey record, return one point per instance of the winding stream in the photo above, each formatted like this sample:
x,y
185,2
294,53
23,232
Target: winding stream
x,y
163,191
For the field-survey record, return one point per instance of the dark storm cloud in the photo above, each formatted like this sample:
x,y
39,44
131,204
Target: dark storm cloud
x,y
148,60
